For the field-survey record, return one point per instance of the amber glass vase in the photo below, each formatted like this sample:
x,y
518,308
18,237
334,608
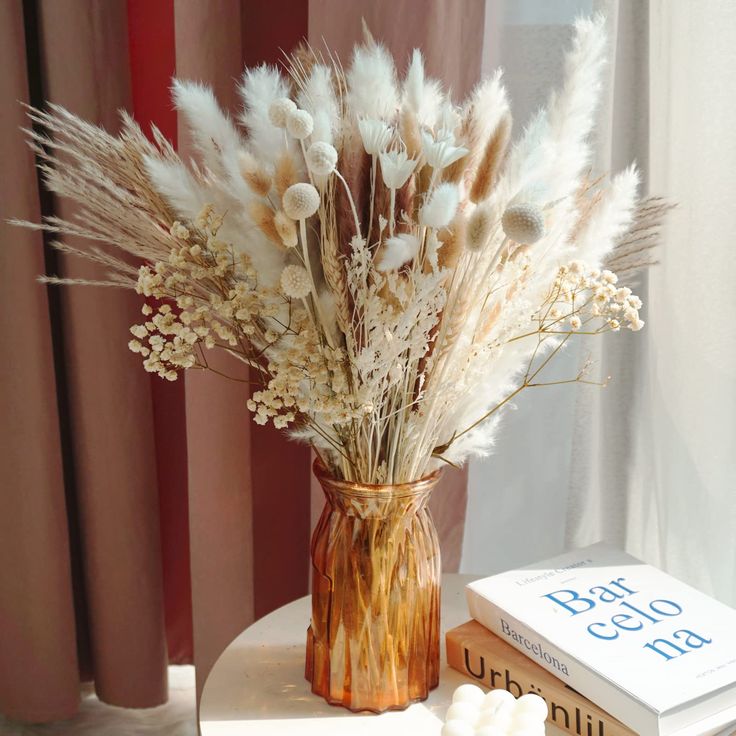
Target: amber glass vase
x,y
374,639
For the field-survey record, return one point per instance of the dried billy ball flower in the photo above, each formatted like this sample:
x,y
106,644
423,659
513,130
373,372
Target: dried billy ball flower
x,y
523,223
280,110
286,228
321,158
479,228
300,124
300,201
295,282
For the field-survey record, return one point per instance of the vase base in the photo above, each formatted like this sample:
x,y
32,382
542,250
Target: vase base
x,y
322,689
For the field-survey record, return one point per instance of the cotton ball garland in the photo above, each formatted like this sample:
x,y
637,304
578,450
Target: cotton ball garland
x,y
279,111
295,282
321,158
300,201
523,223
497,713
300,124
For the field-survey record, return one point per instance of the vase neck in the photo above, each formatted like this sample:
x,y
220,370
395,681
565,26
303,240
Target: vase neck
x,y
367,500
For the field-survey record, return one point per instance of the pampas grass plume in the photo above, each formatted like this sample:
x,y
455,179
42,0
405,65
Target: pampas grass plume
x,y
441,206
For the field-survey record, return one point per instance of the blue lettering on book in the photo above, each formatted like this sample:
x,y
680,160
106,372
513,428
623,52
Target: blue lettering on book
x,y
637,616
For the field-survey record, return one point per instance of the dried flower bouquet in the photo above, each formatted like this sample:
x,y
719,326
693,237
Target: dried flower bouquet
x,y
392,270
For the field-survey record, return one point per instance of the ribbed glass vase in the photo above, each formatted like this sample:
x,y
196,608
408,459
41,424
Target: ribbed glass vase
x,y
374,639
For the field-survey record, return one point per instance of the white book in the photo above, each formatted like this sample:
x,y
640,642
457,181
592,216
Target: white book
x,y
655,653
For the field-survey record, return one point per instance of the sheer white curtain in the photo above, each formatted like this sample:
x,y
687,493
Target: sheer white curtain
x,y
650,462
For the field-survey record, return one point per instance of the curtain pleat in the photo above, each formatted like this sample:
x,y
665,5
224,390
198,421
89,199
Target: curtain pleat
x,y
85,68
152,65
281,470
218,433
38,658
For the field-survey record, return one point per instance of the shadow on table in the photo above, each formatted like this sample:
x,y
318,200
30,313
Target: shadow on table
x,y
277,689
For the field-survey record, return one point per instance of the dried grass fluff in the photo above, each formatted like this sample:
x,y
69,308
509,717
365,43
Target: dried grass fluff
x,y
523,223
301,201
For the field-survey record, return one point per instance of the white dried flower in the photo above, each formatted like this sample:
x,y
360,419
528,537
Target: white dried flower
x,y
575,323
279,111
398,251
376,135
396,168
321,158
300,124
286,228
300,201
441,206
523,223
295,282
479,228
441,151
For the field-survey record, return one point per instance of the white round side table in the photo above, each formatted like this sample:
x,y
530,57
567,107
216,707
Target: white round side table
x,y
257,686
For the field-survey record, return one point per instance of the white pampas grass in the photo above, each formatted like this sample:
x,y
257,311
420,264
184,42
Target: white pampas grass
x,y
611,218
441,206
175,182
317,96
422,96
259,89
571,111
213,134
371,82
398,252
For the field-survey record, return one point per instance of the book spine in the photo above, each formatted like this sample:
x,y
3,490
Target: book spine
x,y
593,686
568,710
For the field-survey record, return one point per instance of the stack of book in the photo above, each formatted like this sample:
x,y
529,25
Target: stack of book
x,y
616,647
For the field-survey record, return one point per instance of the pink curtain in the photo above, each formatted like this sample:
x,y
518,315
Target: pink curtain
x,y
135,515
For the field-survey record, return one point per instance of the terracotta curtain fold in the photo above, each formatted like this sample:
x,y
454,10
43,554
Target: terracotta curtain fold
x,y
37,648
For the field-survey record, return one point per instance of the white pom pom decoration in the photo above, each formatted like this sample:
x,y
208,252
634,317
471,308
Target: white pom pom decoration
x,y
279,111
321,158
497,713
300,124
469,693
457,728
490,731
523,223
496,698
532,704
300,201
463,712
